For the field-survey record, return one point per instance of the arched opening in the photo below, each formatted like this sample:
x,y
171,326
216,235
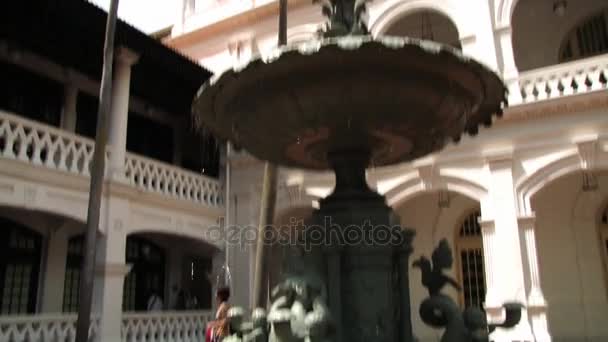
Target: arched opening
x,y
435,216
20,257
587,39
147,273
545,35
469,251
73,265
174,268
426,24
182,274
570,255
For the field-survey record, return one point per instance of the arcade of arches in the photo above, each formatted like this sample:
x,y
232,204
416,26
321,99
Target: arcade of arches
x,y
429,25
41,257
577,305
581,32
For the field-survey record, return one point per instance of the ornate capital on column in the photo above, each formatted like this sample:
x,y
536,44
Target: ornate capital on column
x,y
493,304
241,50
468,40
428,175
536,298
126,56
587,151
526,222
113,269
499,159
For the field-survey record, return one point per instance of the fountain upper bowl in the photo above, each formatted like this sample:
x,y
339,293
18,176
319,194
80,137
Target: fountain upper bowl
x,y
397,98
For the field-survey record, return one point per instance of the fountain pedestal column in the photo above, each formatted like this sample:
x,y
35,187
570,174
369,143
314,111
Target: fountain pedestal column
x,y
363,256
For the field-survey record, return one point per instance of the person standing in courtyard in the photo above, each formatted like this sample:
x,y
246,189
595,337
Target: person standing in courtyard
x,y
219,328
155,303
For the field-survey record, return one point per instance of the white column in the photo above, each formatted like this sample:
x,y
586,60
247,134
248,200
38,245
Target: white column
x,y
190,7
68,112
54,276
480,42
537,306
507,267
111,270
507,61
119,113
178,26
487,231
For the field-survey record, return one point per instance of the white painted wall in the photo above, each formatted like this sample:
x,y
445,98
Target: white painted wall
x,y
573,280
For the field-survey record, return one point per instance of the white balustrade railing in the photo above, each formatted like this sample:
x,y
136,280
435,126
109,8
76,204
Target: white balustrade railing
x,y
577,77
152,175
186,326
43,145
42,328
46,146
165,326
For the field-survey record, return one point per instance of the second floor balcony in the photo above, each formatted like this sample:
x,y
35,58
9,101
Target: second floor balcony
x,y
49,102
46,147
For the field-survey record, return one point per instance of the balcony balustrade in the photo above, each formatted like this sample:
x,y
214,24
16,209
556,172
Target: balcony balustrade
x,y
141,327
561,80
48,147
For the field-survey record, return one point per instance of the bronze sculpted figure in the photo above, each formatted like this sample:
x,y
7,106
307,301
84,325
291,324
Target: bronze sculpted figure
x,y
344,17
441,311
298,313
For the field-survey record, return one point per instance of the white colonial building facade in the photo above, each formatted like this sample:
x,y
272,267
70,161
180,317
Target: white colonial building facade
x,y
524,203
162,200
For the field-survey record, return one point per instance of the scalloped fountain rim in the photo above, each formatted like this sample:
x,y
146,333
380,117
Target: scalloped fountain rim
x,y
345,43
353,42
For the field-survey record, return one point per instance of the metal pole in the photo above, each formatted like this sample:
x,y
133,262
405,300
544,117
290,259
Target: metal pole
x,y
228,181
282,22
269,196
97,178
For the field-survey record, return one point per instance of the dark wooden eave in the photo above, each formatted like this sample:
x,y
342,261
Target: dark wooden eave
x,y
71,33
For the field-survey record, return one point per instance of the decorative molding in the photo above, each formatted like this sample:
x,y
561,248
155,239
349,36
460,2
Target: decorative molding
x,y
500,30
487,226
7,188
126,56
499,159
113,269
470,39
429,175
569,105
526,222
30,194
587,151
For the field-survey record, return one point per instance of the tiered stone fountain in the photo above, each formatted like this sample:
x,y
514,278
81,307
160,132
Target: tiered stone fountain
x,y
343,102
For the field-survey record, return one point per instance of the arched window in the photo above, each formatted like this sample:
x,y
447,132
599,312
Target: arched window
x,y
73,264
147,273
428,25
470,248
587,39
19,268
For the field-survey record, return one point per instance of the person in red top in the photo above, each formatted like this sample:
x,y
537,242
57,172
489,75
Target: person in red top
x,y
219,328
